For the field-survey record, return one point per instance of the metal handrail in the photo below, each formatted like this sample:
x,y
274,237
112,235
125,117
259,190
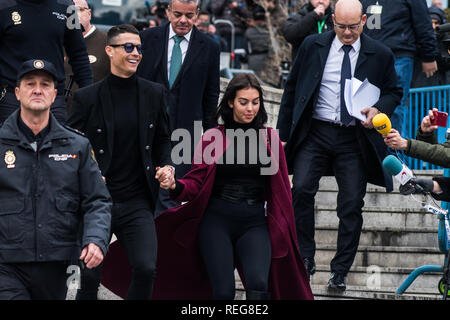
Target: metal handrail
x,y
420,101
228,22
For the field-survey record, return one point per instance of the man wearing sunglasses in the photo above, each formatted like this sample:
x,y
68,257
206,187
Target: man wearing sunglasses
x,y
319,134
124,117
187,62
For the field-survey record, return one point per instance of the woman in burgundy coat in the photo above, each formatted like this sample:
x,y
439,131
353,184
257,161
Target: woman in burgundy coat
x,y
238,213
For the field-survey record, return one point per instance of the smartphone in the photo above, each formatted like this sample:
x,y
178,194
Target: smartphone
x,y
440,119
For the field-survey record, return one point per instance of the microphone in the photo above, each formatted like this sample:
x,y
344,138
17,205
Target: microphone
x,y
404,175
397,169
382,123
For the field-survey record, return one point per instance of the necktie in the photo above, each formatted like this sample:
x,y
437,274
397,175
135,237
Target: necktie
x,y
346,73
175,60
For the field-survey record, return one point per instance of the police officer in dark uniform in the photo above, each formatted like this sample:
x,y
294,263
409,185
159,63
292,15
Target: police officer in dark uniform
x,y
40,29
54,206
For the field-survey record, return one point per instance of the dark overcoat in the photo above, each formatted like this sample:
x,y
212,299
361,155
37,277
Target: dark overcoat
x,y
91,113
375,62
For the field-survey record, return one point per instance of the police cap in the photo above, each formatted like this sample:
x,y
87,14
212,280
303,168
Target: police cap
x,y
36,65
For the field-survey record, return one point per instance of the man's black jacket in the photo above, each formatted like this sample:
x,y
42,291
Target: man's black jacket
x,y
91,113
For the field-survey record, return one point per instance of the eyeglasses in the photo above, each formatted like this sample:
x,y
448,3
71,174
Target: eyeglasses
x,y
352,27
129,47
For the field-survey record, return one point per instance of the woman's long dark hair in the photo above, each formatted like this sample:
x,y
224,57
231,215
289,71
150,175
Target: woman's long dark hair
x,y
241,81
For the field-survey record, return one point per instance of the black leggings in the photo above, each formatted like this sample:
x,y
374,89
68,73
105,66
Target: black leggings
x,y
230,230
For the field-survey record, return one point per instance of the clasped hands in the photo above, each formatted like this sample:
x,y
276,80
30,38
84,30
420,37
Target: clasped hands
x,y
166,177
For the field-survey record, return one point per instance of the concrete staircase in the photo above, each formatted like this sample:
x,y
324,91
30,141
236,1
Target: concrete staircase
x,y
398,236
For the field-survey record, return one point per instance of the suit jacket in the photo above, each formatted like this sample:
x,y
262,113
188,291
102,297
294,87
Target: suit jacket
x,y
195,93
375,62
91,113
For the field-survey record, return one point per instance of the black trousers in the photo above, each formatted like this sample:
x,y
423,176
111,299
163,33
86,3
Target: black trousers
x,y
230,230
330,145
9,104
33,281
133,224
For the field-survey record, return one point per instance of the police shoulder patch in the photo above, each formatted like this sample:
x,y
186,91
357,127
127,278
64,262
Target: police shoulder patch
x,y
74,130
7,4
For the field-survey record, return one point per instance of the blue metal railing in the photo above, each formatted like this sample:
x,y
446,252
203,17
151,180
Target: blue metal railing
x,y
420,101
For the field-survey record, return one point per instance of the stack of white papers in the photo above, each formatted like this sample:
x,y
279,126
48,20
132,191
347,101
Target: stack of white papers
x,y
359,95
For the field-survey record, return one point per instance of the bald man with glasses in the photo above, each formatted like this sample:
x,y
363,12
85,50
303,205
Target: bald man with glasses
x,y
319,134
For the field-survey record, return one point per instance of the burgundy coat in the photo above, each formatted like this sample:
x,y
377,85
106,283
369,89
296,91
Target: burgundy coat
x,y
181,273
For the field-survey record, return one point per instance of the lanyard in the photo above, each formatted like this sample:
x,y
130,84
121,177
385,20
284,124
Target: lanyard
x,y
320,25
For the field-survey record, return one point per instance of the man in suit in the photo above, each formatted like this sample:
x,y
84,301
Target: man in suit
x,y
319,134
187,62
125,120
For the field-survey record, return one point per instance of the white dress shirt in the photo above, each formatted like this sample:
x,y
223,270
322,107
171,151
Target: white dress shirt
x,y
184,44
328,107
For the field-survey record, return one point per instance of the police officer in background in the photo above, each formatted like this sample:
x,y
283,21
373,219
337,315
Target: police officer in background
x,y
54,205
40,29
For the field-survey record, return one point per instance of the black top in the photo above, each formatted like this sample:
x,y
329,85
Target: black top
x,y
239,177
38,29
126,176
239,173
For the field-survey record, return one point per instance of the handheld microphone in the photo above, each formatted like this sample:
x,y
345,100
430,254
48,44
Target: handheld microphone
x,y
404,175
397,169
382,123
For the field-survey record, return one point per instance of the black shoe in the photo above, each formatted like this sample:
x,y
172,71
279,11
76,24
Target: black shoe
x,y
310,266
337,282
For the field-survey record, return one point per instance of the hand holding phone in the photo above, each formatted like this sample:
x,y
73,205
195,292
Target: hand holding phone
x,y
439,118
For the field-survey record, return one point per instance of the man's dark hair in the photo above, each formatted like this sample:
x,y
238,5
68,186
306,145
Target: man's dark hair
x,y
239,82
118,30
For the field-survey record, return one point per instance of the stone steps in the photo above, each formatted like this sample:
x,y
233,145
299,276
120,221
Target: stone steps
x,y
384,256
378,278
384,236
321,292
381,217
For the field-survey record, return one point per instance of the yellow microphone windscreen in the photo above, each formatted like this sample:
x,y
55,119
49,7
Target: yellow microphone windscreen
x,y
382,123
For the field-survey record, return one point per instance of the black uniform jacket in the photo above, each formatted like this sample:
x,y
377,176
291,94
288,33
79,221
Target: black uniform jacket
x,y
91,113
375,62
53,201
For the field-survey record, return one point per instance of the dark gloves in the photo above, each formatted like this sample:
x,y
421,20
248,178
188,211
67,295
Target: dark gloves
x,y
417,186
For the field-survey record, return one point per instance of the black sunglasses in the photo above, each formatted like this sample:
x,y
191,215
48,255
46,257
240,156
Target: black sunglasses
x,y
129,47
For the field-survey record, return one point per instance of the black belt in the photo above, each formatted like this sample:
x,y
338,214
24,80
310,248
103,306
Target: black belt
x,y
333,124
237,200
239,194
